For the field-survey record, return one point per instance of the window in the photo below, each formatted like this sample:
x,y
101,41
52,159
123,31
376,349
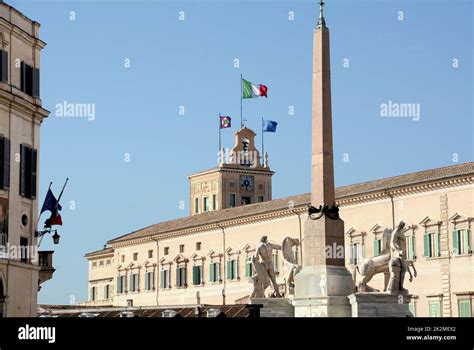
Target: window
x,y
377,246
181,248
412,309
196,205
431,244
28,165
4,163
29,80
149,280
3,66
134,282
197,275
214,202
232,200
107,291
461,242
24,249
410,247
93,293
435,309
246,200
464,308
215,272
94,264
135,256
232,269
122,258
205,206
260,199
108,262
165,279
198,245
275,261
356,253
248,266
181,277
166,250
150,254
101,263
121,284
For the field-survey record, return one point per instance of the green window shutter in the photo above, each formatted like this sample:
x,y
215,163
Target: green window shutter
x,y
456,243
435,309
427,245
376,247
411,308
229,267
466,246
248,269
212,274
464,307
196,275
437,251
411,239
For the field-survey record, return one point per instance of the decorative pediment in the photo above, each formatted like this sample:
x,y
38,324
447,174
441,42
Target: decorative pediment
x,y
132,265
249,248
180,258
459,217
197,256
164,261
354,231
377,228
214,254
148,263
3,40
427,222
232,251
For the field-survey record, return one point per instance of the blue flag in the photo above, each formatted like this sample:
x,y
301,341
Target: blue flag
x,y
269,126
50,203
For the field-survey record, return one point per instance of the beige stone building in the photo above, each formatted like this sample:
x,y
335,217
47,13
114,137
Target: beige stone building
x,y
204,258
22,268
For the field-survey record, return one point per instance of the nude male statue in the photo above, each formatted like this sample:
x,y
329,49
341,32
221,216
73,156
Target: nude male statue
x,y
397,264
265,253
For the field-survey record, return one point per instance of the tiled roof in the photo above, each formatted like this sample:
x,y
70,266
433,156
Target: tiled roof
x,y
108,311
100,252
299,200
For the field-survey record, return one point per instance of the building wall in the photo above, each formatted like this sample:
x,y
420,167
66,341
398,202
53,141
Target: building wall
x,y
20,119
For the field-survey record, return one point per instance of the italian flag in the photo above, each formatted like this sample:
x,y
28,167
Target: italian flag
x,y
250,90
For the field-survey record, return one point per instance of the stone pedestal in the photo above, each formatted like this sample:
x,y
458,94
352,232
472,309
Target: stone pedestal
x,y
322,286
380,304
274,307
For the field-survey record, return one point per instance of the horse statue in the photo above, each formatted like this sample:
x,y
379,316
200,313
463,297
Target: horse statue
x,y
369,267
290,265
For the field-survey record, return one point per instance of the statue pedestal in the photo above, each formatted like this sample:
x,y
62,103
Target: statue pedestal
x,y
322,286
274,307
380,304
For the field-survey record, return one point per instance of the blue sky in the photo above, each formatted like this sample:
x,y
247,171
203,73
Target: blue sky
x,y
190,63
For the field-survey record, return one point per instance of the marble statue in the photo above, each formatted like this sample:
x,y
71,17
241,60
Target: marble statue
x,y
397,265
290,264
369,267
263,267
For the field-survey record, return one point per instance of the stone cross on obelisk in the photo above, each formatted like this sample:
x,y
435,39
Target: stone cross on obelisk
x,y
322,286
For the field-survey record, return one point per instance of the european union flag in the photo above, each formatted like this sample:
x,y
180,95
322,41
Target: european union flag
x,y
50,203
269,126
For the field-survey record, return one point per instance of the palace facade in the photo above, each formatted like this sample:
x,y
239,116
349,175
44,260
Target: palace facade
x,y
205,258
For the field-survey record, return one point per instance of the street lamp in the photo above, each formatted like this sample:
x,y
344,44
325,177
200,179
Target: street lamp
x,y
56,238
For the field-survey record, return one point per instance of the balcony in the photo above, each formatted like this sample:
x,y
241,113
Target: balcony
x,y
46,264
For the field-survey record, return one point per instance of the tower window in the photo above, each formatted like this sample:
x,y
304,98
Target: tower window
x,y
214,202
260,199
3,66
205,204
232,200
196,205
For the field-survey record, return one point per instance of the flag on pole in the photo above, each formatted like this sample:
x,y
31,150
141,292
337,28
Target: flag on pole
x,y
50,203
225,122
269,126
251,90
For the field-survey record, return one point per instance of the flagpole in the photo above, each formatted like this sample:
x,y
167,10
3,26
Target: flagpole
x,y
241,103
263,150
219,134
67,179
39,217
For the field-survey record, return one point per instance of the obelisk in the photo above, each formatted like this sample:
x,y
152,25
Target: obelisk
x,y
322,286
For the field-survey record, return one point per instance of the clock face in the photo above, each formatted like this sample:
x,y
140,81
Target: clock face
x,y
246,183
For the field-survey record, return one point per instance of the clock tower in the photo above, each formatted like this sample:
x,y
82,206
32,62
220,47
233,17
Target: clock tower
x,y
242,177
